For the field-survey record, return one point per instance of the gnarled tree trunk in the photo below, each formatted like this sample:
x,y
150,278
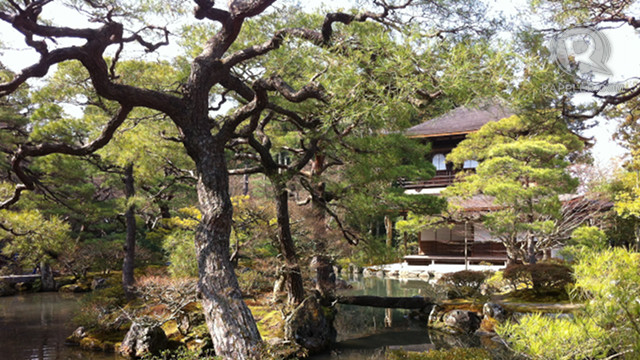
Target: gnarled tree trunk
x,y
128,263
293,277
325,278
232,327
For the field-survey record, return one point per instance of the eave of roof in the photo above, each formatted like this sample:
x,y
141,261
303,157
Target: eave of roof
x,y
461,120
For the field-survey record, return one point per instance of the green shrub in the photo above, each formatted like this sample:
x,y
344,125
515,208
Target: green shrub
x,y
517,275
464,283
374,251
181,248
97,308
543,337
541,277
607,326
546,276
446,354
589,237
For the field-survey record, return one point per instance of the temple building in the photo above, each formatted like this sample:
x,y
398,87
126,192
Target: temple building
x,y
456,241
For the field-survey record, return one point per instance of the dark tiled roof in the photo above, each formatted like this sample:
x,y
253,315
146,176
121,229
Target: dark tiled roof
x,y
461,120
475,203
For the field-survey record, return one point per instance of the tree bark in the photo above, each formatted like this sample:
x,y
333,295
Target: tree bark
x,y
325,279
388,225
232,327
531,250
292,274
128,264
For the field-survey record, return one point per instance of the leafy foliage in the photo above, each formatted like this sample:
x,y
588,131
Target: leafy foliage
x,y
32,237
607,326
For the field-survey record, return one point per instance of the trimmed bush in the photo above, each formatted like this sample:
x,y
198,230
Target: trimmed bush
x,y
541,277
464,283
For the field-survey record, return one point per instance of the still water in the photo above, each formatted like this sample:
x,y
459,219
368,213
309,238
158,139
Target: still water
x,y
34,326
367,333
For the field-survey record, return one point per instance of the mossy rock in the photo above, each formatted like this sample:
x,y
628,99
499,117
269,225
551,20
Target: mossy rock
x,y
64,280
75,288
488,325
93,344
23,286
269,321
171,330
282,350
108,336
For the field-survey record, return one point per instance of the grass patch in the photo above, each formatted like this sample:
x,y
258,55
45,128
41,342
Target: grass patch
x,y
269,321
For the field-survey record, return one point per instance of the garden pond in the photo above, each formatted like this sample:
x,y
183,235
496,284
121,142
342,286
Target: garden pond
x,y
34,326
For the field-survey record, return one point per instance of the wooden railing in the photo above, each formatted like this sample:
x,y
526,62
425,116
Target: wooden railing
x,y
441,179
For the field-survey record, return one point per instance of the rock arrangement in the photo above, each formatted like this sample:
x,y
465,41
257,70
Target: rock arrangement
x,y
310,325
143,339
464,321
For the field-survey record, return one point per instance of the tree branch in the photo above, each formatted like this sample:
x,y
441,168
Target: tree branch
x,y
28,150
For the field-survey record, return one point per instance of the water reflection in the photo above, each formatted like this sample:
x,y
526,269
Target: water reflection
x,y
366,332
34,326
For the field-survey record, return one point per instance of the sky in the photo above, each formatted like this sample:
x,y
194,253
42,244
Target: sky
x,y
624,59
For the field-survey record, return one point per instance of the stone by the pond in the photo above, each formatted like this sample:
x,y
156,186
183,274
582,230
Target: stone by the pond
x,y
310,326
77,336
142,340
23,286
75,288
493,310
461,321
98,283
62,281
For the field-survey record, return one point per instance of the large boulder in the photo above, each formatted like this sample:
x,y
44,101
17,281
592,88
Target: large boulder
x,y
493,310
75,288
311,326
435,316
77,336
461,321
143,339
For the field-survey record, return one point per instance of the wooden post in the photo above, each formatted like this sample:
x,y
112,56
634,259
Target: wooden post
x,y
466,257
